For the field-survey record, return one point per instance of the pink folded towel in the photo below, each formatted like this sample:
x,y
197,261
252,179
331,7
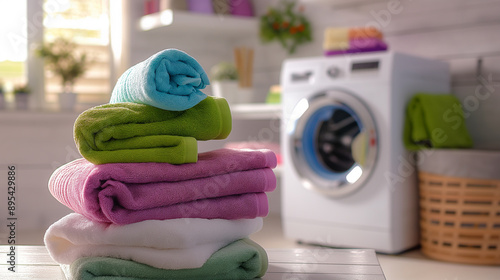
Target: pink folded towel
x,y
223,184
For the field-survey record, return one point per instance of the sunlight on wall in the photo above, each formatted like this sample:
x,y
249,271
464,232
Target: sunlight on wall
x,y
86,23
13,44
13,35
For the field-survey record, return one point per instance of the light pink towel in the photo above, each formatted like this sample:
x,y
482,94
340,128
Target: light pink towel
x,y
223,184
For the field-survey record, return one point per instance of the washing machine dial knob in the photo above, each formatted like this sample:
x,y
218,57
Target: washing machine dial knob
x,y
333,72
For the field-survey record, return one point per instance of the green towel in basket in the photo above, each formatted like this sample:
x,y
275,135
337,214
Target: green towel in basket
x,y
242,259
132,132
435,121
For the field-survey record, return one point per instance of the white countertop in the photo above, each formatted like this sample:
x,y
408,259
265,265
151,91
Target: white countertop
x,y
411,265
34,262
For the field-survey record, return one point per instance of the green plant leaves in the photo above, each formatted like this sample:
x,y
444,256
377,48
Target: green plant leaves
x,y
62,59
288,27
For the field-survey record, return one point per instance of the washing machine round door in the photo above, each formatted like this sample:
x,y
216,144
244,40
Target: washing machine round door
x,y
333,142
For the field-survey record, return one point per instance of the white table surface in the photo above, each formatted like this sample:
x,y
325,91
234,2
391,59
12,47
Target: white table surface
x,y
33,262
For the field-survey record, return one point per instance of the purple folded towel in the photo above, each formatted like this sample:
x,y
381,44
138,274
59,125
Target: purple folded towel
x,y
361,45
223,184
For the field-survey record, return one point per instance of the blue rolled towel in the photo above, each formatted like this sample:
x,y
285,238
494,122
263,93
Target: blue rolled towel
x,y
170,80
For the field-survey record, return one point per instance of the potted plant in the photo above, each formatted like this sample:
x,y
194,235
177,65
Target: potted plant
x,y
21,96
289,27
225,81
62,59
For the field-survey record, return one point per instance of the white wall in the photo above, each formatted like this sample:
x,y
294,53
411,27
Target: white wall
x,y
36,143
208,48
464,33
460,32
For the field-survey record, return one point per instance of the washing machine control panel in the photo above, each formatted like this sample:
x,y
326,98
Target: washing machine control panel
x,y
365,65
302,76
351,69
300,73
333,71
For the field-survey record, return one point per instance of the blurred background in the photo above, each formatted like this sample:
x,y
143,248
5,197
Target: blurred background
x,y
36,135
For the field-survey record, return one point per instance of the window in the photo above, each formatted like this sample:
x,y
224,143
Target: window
x,y
13,44
86,22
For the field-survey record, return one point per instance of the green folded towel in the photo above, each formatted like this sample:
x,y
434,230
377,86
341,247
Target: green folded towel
x,y
435,121
132,132
242,259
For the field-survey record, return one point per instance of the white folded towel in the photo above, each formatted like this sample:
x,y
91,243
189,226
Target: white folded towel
x,y
167,244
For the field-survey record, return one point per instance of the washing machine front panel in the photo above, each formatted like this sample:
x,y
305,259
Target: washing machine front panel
x,y
333,142
378,211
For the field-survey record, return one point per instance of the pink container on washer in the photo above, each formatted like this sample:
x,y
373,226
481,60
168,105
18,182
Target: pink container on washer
x,y
201,6
241,8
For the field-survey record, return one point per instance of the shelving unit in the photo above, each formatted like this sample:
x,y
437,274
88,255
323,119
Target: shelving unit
x,y
206,24
168,22
226,29
256,111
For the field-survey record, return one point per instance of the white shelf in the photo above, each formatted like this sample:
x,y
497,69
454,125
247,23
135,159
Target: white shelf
x,y
256,111
197,23
19,117
278,171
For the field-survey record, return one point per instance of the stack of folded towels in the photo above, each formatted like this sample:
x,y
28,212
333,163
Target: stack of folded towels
x,y
147,205
344,40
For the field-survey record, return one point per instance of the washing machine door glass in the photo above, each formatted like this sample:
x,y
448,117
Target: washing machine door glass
x,y
334,142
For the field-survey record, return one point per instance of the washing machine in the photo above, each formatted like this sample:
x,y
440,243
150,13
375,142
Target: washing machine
x,y
347,179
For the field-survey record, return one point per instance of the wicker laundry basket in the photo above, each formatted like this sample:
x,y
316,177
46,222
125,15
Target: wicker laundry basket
x,y
460,206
